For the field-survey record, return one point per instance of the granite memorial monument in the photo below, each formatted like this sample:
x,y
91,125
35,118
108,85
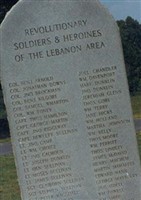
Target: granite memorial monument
x,y
68,105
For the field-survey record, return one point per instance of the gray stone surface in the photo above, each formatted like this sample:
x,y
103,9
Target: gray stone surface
x,y
67,100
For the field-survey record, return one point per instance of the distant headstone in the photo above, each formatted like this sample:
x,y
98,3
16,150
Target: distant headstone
x,y
67,100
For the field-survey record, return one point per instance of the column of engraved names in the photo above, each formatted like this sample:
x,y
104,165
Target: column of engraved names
x,y
98,86
44,165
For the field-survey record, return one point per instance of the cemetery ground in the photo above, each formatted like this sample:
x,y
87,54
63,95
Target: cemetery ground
x,y
136,106
5,140
9,189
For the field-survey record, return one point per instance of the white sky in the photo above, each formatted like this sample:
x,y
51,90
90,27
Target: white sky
x,y
120,9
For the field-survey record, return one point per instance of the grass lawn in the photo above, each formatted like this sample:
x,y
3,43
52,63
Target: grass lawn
x,y
5,140
9,189
139,142
136,105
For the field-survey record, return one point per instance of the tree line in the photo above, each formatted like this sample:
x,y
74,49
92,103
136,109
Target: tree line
x,y
130,30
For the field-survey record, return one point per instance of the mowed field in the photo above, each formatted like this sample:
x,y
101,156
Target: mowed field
x,y
136,106
9,189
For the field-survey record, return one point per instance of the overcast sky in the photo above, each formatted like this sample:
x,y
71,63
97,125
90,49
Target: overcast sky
x,y
120,9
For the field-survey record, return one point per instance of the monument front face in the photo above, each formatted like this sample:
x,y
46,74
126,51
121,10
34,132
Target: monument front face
x,y
68,105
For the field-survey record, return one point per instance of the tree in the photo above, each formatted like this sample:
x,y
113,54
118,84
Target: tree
x,y
5,6
130,30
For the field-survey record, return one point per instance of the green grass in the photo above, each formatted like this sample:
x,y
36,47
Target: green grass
x,y
5,140
136,106
139,142
9,189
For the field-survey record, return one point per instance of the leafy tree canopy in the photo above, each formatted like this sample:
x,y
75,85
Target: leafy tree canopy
x,y
130,30
5,5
